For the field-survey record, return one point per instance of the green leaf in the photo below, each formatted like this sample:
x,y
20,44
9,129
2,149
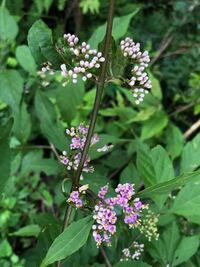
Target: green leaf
x,y
88,5
34,162
22,127
25,58
190,158
132,263
50,126
171,238
156,88
174,140
39,5
186,249
173,249
5,162
47,5
187,202
68,242
154,125
50,230
168,186
26,231
11,92
5,249
40,42
69,98
143,114
130,175
154,167
8,25
120,26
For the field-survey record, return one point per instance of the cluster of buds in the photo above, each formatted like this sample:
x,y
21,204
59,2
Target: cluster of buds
x,y
105,216
45,73
137,251
139,82
148,226
86,60
75,197
78,137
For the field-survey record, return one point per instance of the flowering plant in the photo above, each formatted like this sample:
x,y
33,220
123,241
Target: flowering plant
x,y
83,182
84,63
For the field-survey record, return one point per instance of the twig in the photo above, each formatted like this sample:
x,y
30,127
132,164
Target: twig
x,y
183,108
105,257
169,36
192,129
72,4
99,92
55,151
164,44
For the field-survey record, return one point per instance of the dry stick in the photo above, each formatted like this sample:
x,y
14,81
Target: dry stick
x,y
99,92
192,129
164,44
170,36
183,108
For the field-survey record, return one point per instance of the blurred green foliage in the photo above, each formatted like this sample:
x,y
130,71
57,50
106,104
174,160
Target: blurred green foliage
x,y
150,148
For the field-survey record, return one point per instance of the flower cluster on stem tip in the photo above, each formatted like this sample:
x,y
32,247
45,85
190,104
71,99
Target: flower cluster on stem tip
x,y
105,216
86,60
139,82
78,137
135,255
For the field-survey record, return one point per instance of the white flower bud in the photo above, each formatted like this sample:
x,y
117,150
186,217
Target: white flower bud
x,y
70,72
102,59
63,67
89,75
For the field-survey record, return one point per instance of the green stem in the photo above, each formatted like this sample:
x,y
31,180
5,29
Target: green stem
x,y
99,92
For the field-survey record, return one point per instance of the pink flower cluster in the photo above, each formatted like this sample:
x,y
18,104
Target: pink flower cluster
x,y
78,137
86,60
75,199
139,81
105,215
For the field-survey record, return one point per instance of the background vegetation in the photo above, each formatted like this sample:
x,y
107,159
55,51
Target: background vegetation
x,y
153,142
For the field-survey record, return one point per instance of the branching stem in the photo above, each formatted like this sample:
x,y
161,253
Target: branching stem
x,y
99,92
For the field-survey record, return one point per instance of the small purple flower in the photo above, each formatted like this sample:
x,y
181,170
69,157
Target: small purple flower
x,y
130,219
103,191
76,143
83,129
75,199
138,205
78,138
97,238
95,139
